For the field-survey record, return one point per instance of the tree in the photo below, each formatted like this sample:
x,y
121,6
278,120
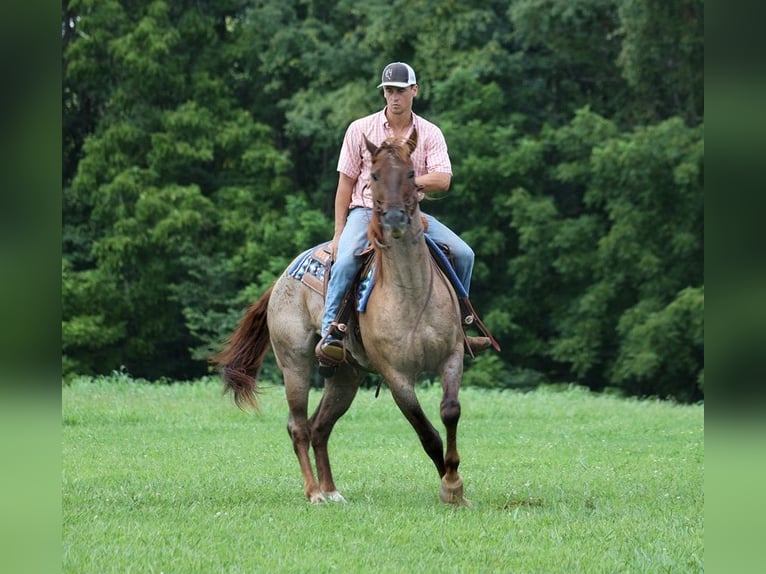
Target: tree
x,y
200,148
596,278
172,176
662,57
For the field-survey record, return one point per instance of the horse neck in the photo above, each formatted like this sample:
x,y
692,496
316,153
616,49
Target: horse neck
x,y
405,262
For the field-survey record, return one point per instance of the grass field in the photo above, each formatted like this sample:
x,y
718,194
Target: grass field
x,y
174,478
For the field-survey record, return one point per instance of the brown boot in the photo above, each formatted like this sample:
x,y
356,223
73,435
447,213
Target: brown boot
x,y
477,344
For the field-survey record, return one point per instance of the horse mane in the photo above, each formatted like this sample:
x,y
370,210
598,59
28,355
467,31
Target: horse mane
x,y
396,146
375,232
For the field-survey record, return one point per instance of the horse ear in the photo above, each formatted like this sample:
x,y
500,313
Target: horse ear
x,y
370,146
412,143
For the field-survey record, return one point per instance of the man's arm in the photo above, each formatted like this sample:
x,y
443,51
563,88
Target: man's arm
x,y
434,181
342,203
437,162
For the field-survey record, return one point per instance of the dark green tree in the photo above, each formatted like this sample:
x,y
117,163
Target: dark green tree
x,y
179,196
200,148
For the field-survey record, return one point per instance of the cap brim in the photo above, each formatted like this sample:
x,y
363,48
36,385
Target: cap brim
x,y
395,84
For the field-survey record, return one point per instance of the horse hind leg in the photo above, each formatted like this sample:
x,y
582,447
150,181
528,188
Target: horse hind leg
x,y
297,391
338,395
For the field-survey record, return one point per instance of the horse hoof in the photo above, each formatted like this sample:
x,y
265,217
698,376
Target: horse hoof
x,y
334,496
453,494
316,498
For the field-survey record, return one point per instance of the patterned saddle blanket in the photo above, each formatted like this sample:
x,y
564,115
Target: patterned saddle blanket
x,y
312,269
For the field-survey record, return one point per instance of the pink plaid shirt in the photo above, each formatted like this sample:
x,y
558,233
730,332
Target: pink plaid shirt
x,y
430,155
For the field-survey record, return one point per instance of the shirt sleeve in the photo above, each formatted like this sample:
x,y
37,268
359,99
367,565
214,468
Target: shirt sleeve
x,y
436,156
350,159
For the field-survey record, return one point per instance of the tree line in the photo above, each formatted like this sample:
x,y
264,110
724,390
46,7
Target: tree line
x,y
200,144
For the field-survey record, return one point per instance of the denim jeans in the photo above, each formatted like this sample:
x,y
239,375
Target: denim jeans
x,y
354,239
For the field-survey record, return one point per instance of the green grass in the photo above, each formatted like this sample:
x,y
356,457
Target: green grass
x,y
174,478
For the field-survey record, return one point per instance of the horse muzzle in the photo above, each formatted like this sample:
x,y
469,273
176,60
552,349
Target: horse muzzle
x,y
395,222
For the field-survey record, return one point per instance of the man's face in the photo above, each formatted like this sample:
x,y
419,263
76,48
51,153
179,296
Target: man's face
x,y
399,100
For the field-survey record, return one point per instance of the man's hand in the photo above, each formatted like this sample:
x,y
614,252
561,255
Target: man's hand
x,y
333,247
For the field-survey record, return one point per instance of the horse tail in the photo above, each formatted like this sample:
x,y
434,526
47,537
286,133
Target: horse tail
x,y
242,357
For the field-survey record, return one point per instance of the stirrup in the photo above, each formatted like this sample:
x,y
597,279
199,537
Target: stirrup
x,y
337,331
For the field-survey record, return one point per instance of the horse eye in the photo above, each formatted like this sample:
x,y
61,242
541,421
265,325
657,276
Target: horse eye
x,y
374,176
411,175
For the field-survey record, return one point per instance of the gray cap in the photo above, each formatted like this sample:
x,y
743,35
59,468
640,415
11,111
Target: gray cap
x,y
398,74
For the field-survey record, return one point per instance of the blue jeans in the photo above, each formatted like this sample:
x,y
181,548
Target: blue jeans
x,y
354,239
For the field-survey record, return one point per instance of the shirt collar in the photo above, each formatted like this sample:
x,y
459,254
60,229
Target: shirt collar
x,y
384,119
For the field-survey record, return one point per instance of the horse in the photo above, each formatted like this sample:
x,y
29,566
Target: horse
x,y
411,325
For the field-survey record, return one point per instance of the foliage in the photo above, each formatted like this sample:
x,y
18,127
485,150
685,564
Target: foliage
x,y
201,140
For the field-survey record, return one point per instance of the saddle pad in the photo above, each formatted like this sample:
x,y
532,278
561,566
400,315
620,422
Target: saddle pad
x,y
310,268
364,287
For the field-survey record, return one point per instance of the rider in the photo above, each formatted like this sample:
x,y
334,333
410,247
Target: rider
x,y
353,197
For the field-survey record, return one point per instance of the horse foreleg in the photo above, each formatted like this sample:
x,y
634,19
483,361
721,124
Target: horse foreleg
x,y
451,490
338,395
407,401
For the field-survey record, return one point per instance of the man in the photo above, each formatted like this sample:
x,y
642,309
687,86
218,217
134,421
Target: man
x,y
353,197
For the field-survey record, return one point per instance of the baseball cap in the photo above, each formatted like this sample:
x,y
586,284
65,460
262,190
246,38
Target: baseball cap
x,y
397,74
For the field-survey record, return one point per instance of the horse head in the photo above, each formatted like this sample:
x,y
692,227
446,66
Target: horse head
x,y
393,186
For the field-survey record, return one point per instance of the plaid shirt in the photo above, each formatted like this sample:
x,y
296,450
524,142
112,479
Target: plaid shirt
x,y
430,155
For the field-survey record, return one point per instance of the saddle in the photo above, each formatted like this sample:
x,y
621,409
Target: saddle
x,y
313,268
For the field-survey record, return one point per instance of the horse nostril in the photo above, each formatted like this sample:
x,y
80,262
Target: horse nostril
x,y
395,219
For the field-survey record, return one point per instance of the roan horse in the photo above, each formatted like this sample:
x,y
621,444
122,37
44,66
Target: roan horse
x,y
411,326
